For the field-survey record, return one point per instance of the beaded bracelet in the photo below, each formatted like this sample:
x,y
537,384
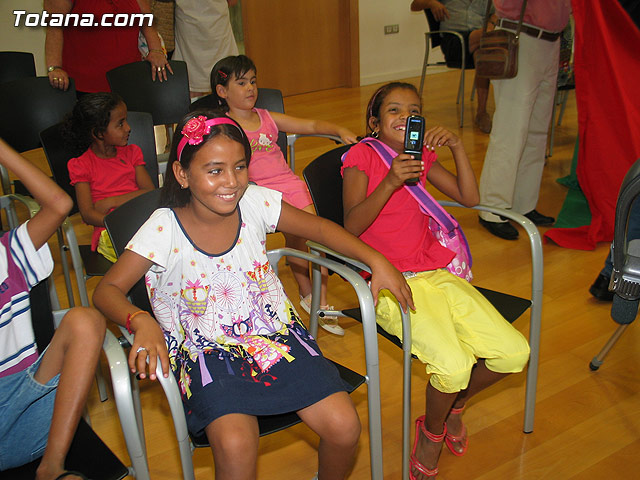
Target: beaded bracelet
x,y
129,318
159,50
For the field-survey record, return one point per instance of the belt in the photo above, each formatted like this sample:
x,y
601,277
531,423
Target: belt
x,y
532,31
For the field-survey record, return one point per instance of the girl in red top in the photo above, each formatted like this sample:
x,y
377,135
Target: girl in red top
x,y
109,172
453,326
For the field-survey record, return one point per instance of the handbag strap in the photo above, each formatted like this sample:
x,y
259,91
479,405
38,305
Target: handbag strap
x,y
486,17
427,203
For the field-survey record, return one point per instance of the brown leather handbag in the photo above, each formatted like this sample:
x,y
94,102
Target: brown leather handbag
x,y
497,56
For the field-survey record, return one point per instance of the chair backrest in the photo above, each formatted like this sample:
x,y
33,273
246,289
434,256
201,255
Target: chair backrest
x,y
30,105
167,101
325,184
15,65
122,224
434,26
268,98
59,153
143,135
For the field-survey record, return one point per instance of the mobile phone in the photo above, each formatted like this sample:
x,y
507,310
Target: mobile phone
x,y
413,140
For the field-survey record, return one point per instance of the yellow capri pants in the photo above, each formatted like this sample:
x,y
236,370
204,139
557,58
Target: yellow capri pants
x,y
452,326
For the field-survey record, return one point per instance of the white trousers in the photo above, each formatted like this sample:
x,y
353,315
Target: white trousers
x,y
203,36
515,158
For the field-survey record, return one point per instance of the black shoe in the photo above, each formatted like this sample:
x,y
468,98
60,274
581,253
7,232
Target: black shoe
x,y
539,219
600,289
500,229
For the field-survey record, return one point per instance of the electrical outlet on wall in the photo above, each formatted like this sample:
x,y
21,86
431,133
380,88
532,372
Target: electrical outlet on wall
x,y
389,29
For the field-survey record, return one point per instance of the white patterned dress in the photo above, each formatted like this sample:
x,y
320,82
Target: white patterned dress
x,y
235,341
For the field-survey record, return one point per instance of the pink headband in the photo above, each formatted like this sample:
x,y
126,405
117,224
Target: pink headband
x,y
195,129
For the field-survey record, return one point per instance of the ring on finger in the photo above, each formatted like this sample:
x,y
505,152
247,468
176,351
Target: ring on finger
x,y
159,68
140,349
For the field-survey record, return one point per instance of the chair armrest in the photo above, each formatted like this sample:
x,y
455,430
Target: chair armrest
x,y
291,140
348,260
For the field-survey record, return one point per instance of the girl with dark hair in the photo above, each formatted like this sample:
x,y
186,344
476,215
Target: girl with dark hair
x,y
233,81
464,342
223,323
109,172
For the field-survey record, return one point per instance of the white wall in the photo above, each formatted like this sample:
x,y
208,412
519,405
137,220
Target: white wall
x,y
22,39
391,57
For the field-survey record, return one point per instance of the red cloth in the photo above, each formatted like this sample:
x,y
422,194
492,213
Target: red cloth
x,y
107,177
607,72
88,53
401,231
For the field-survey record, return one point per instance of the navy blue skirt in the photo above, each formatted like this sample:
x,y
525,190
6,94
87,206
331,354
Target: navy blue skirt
x,y
285,373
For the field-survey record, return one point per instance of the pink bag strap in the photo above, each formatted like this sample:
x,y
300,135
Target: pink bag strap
x,y
427,203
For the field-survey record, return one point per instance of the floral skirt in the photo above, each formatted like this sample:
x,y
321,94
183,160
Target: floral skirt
x,y
290,374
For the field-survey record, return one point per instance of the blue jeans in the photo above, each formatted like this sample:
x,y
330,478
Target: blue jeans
x,y
26,408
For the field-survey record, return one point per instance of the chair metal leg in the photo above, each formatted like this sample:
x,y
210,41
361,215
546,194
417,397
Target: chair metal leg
x,y
599,359
123,395
553,124
179,422
406,395
65,267
563,104
426,61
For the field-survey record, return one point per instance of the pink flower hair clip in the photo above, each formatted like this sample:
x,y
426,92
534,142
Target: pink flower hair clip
x,y
196,128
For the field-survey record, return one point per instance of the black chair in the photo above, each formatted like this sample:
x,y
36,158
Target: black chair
x,y
88,454
143,135
122,224
269,99
28,106
167,101
15,65
434,35
325,185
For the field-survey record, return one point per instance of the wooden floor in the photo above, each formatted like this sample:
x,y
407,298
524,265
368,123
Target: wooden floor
x,y
587,423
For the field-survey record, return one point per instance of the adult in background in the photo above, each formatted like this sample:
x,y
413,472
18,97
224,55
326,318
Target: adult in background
x,y
86,54
203,36
467,18
515,158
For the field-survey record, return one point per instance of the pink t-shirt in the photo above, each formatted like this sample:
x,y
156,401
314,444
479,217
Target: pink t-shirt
x,y
550,15
401,231
268,168
107,177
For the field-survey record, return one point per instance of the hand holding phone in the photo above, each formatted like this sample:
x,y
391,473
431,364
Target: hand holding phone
x,y
413,140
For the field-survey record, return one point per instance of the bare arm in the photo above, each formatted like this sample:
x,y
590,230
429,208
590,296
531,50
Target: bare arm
x,y
93,214
385,275
53,44
287,123
54,203
461,187
156,56
110,298
439,11
359,210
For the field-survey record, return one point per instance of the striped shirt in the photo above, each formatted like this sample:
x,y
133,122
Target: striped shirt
x,y
21,268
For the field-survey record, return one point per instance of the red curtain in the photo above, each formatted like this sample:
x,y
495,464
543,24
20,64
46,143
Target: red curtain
x,y
607,72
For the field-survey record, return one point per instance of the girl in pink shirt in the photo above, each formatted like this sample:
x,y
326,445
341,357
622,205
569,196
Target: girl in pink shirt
x,y
109,172
233,81
453,326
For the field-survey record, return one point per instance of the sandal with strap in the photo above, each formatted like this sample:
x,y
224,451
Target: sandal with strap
x,y
414,462
462,439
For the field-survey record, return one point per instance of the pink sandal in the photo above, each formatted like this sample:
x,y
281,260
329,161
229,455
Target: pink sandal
x,y
462,439
415,463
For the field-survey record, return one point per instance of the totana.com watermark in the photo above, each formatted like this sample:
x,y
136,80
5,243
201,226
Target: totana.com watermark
x,y
46,19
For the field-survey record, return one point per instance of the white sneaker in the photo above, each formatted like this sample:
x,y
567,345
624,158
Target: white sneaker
x,y
328,322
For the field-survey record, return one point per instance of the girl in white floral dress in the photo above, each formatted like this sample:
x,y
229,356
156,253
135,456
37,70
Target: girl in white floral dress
x,y
223,324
